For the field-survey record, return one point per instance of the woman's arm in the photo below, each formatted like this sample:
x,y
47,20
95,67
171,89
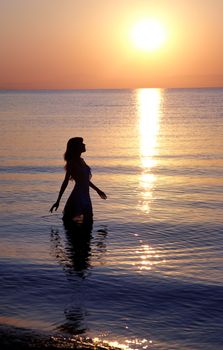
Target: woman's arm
x,y
100,193
62,189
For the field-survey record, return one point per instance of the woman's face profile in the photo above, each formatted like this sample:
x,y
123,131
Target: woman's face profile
x,y
83,147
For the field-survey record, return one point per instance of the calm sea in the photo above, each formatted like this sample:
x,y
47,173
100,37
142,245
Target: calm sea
x,y
151,275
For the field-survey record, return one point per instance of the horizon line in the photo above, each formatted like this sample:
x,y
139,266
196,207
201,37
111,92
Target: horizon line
x,y
107,88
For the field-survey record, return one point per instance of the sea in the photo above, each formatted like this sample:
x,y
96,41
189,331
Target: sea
x,y
150,273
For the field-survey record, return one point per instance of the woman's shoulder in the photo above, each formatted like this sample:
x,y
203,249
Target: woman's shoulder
x,y
84,163
86,166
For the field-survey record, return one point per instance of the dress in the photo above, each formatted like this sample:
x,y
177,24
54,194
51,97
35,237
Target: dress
x,y
79,202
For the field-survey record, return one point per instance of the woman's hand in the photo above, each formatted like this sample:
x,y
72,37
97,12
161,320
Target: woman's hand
x,y
55,206
101,194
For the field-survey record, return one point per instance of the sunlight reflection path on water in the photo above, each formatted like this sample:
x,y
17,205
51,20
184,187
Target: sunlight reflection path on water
x,y
149,103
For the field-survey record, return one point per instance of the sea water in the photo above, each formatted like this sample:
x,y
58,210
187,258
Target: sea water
x,y
150,276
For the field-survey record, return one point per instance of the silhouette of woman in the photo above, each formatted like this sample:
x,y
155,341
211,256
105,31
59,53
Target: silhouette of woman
x,y
78,208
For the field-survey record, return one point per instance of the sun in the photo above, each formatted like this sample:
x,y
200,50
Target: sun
x,y
148,35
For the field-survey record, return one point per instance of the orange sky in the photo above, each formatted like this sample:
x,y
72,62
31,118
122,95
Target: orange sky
x,y
69,44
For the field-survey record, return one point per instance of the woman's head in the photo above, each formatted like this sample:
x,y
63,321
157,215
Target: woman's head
x,y
75,147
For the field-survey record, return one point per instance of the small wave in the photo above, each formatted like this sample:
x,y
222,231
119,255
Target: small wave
x,y
29,169
25,339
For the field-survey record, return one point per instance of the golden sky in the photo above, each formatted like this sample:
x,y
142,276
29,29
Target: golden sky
x,y
69,44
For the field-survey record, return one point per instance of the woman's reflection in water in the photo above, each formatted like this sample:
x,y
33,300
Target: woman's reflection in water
x,y
79,247
74,255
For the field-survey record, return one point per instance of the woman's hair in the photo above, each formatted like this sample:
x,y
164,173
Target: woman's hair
x,y
73,151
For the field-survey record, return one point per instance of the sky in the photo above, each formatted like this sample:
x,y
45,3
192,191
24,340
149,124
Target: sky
x,y
89,44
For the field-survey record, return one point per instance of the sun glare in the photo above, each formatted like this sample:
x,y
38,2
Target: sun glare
x,y
149,104
148,35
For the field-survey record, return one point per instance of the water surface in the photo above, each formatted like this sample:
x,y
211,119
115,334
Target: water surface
x,y
151,274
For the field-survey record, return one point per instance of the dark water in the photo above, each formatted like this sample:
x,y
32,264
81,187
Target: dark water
x,y
150,273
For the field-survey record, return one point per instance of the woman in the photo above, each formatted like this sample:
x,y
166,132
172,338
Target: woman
x,y
78,207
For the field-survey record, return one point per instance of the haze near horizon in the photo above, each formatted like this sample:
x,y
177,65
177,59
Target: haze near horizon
x,y
55,44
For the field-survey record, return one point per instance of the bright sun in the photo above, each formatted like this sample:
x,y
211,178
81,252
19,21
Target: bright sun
x,y
148,35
